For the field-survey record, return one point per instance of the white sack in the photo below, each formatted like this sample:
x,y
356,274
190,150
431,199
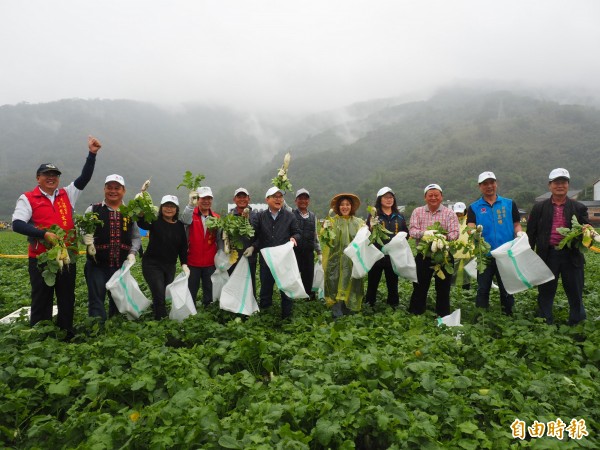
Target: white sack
x,y
282,263
519,266
362,253
182,303
401,256
126,293
237,295
318,285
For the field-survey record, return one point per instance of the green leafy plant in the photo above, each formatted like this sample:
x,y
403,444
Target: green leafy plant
x,y
379,233
578,235
327,233
141,206
233,228
191,181
281,181
476,246
438,249
87,224
60,253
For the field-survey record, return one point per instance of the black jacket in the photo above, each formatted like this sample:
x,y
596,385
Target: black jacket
x,y
271,233
540,223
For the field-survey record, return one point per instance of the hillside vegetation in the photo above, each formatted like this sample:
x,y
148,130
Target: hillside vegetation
x,y
448,139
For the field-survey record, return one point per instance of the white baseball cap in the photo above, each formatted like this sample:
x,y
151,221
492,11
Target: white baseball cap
x,y
204,191
273,190
485,176
384,190
432,186
241,190
559,173
459,207
114,177
169,199
301,191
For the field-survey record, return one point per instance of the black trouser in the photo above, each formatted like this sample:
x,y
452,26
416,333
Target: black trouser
x,y
42,296
267,282
391,280
252,264
484,284
418,299
306,264
197,274
158,276
559,262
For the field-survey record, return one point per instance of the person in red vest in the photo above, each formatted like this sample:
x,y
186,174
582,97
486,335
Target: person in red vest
x,y
35,212
202,243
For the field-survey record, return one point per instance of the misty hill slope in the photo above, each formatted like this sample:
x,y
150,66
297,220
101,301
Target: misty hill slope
x,y
448,139
139,140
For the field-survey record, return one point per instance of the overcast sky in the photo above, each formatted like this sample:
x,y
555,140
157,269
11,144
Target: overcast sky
x,y
288,54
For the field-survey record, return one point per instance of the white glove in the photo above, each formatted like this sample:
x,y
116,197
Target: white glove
x,y
326,224
193,198
429,233
597,237
520,233
138,195
320,258
88,239
131,258
248,252
185,269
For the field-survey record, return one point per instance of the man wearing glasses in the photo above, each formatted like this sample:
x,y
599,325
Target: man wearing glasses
x,y
35,212
272,227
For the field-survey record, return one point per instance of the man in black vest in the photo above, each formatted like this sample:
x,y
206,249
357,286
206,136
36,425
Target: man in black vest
x,y
568,263
309,242
116,241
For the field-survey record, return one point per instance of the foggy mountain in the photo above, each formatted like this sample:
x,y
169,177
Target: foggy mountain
x,y
448,139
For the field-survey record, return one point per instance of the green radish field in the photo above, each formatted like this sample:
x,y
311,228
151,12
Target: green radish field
x,y
375,380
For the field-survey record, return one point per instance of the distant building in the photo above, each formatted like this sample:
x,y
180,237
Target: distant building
x,y
255,206
597,189
573,194
593,211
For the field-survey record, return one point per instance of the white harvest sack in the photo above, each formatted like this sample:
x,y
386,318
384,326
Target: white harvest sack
x,y
403,261
451,320
362,254
520,267
126,293
284,268
471,270
220,275
182,303
237,295
319,280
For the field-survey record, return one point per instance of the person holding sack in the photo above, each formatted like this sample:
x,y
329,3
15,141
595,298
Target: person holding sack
x,y
167,241
501,222
273,226
387,214
116,241
342,292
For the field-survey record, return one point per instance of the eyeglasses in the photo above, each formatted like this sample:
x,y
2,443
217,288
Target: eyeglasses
x,y
50,174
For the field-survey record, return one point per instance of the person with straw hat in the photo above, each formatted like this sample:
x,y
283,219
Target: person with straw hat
x,y
342,292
